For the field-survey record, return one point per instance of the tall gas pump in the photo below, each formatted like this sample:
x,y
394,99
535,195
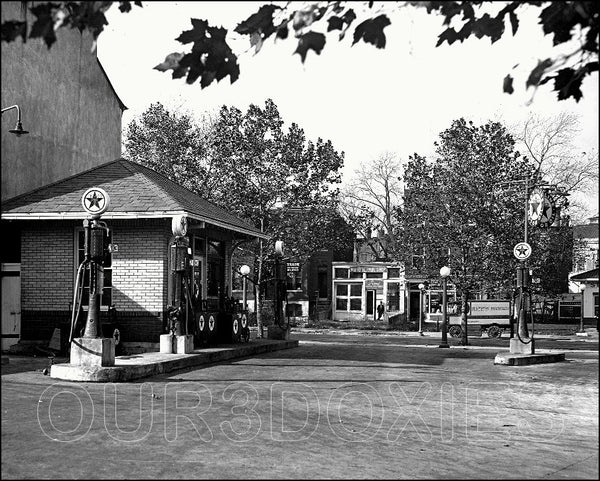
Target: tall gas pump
x,y
180,307
92,349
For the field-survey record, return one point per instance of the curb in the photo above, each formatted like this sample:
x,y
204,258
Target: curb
x,y
508,359
155,363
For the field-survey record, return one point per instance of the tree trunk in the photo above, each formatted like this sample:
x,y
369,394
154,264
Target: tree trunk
x,y
463,319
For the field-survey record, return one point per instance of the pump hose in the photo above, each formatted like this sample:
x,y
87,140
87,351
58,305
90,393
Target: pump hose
x,y
525,292
77,295
188,302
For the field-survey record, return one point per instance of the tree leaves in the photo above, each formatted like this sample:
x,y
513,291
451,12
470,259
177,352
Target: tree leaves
x,y
12,29
507,85
458,203
568,84
538,72
43,26
211,57
371,31
310,41
337,23
259,22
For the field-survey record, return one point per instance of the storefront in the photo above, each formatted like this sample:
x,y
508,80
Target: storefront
x,y
358,288
425,302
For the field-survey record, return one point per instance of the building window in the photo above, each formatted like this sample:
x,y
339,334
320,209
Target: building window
x,y
393,296
215,273
293,310
348,297
418,258
106,298
199,246
341,272
356,275
374,275
393,273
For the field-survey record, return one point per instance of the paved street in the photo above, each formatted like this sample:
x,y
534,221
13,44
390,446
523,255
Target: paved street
x,y
338,406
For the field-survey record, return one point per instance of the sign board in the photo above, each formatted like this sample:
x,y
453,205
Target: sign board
x,y
95,201
367,269
522,251
548,212
293,266
536,200
373,283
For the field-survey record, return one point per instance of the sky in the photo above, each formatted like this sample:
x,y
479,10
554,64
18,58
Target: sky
x,y
365,100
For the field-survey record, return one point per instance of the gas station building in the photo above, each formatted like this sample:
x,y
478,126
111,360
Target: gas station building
x,y
48,225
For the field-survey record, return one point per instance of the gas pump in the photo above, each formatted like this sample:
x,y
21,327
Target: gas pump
x,y
179,303
179,266
91,349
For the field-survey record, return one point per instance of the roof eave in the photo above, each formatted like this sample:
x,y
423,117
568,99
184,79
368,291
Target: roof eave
x,y
130,216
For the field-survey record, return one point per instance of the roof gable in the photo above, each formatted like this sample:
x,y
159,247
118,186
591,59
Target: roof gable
x,y
135,192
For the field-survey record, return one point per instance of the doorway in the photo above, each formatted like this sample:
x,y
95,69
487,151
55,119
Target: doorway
x,y
415,305
11,304
371,304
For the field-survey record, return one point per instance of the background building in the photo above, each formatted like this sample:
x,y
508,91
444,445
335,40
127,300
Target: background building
x,y
585,255
73,117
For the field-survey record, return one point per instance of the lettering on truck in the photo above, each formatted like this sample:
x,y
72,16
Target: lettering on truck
x,y
491,315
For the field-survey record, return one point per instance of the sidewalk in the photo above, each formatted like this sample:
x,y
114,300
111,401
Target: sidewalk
x,y
592,333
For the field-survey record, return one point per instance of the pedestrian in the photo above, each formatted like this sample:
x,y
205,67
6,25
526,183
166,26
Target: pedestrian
x,y
380,310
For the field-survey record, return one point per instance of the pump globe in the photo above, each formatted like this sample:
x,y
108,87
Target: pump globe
x,y
445,271
245,270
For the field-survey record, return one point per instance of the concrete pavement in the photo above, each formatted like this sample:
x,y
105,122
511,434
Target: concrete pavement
x,y
338,406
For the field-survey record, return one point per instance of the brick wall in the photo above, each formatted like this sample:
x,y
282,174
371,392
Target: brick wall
x,y
47,266
139,277
140,265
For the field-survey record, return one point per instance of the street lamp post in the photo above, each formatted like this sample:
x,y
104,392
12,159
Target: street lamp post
x,y
244,271
421,289
582,290
278,256
444,272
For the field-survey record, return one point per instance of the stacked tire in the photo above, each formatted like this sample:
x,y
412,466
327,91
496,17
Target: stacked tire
x,y
244,328
229,328
201,329
213,328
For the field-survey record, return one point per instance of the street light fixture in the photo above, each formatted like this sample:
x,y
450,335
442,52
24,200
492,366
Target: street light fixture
x,y
18,130
278,289
444,272
421,290
244,271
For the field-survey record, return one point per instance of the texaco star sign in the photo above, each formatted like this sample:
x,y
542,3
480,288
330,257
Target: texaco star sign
x,y
522,251
95,201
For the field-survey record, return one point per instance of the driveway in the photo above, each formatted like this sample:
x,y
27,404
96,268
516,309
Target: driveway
x,y
338,406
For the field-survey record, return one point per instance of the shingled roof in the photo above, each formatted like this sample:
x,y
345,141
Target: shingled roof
x,y
586,276
135,191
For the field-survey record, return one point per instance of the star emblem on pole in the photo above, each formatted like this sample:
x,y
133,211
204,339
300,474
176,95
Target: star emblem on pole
x,y
94,200
522,250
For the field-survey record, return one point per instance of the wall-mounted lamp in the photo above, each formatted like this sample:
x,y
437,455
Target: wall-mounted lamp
x,y
18,130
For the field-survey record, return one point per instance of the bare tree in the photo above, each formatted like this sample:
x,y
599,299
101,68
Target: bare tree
x,y
371,197
549,142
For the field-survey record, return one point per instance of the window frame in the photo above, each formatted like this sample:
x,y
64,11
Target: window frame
x,y
349,297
